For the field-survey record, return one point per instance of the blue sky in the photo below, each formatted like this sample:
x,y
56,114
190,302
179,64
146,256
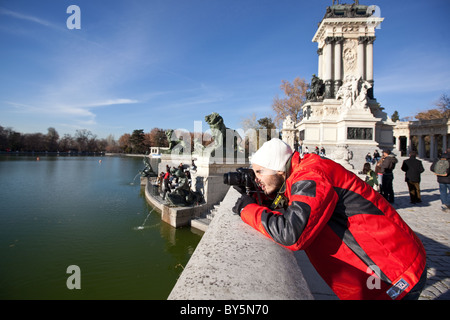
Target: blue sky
x,y
140,64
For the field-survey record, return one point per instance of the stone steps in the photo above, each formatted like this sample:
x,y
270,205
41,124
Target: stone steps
x,y
202,222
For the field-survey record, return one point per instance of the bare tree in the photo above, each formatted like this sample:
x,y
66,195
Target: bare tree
x,y
442,110
295,97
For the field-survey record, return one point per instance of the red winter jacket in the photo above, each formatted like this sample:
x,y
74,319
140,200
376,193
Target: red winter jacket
x,y
354,238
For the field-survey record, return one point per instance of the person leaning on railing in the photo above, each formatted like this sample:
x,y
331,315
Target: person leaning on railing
x,y
352,235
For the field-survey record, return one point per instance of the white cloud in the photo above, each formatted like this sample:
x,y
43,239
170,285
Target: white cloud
x,y
25,17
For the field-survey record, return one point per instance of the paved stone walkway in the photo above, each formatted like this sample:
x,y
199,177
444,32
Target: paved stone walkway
x,y
432,225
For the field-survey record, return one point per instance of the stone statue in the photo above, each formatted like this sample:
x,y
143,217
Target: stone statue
x,y
182,195
353,93
344,10
173,141
343,155
288,123
220,133
316,89
148,170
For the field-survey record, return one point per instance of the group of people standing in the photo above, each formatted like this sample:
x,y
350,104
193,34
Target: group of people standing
x,y
170,176
304,150
381,178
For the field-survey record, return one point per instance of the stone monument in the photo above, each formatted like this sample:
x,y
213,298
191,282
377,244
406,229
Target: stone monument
x,y
341,112
207,165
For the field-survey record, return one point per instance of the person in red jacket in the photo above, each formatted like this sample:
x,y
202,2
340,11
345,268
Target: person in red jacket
x,y
353,237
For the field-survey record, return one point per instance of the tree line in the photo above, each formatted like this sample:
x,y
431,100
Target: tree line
x,y
83,141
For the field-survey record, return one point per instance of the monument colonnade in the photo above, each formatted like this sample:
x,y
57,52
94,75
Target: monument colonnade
x,y
330,58
428,137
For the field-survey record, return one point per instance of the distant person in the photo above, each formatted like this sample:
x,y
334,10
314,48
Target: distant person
x,y
369,158
379,171
371,177
376,157
322,152
166,181
388,165
413,169
443,178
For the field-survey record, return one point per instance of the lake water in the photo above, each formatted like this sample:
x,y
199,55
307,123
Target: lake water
x,y
63,211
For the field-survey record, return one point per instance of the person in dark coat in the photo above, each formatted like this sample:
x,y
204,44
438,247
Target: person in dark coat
x,y
444,183
413,168
388,165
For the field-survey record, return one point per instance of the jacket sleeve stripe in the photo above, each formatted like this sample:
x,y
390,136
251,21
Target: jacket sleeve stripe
x,y
304,188
347,237
287,228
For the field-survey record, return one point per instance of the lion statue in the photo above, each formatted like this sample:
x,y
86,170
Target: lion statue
x,y
220,133
174,141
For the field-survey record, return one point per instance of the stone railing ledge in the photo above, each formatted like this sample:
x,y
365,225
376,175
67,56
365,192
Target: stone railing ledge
x,y
235,262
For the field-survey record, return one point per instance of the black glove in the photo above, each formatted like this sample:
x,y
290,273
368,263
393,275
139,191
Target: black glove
x,y
242,202
240,189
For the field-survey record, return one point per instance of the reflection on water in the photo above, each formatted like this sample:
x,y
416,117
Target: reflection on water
x,y
62,211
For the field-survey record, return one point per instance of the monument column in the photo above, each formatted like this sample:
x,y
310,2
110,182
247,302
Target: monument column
x,y
328,61
338,63
397,143
421,147
432,146
408,144
320,56
369,65
361,57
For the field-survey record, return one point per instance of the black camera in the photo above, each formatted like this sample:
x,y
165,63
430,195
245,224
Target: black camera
x,y
243,178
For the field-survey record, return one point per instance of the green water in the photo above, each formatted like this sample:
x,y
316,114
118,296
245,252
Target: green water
x,y
63,211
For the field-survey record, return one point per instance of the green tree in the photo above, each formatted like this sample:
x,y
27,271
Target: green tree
x,y
137,139
266,129
395,117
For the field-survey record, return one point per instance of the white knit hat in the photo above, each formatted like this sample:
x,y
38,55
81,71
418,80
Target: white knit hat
x,y
273,155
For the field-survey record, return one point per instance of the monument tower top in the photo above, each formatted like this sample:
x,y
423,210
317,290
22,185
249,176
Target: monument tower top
x,y
341,112
345,39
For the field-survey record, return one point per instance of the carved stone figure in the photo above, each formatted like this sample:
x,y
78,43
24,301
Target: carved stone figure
x,y
173,141
288,123
349,55
343,155
220,133
148,170
182,195
316,89
353,93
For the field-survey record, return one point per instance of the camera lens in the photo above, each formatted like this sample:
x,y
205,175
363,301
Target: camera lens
x,y
233,178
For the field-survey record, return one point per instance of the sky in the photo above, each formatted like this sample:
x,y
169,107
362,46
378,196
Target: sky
x,y
141,64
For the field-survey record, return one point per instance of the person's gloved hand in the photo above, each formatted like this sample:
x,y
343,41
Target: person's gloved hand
x,y
240,189
242,202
